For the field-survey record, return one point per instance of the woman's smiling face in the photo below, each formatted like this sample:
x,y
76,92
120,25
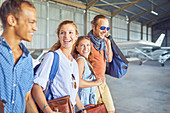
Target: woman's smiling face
x,y
67,35
84,47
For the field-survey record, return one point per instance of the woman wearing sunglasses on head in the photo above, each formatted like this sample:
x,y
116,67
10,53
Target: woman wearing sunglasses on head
x,y
83,55
66,81
101,48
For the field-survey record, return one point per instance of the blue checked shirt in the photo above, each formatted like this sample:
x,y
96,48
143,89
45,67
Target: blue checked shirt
x,y
15,79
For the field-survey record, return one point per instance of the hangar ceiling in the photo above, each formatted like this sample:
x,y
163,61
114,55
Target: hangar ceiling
x,y
147,12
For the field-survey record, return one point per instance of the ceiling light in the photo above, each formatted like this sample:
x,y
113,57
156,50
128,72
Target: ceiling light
x,y
153,12
127,19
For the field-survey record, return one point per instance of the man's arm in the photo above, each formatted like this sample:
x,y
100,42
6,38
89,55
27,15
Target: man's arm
x,y
109,49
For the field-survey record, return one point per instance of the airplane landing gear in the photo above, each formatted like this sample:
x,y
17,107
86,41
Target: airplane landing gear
x,y
162,64
140,63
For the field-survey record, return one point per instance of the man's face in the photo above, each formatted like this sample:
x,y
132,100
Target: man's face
x,y
98,32
26,23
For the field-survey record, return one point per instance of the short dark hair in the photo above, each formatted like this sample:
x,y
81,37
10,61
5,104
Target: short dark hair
x,y
96,18
12,7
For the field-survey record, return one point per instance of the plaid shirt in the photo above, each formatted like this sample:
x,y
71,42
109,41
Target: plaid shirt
x,y
15,79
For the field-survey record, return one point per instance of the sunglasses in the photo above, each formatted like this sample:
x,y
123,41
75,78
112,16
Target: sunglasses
x,y
103,28
74,85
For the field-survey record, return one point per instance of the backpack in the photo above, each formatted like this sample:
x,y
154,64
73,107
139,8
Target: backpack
x,y
119,64
47,92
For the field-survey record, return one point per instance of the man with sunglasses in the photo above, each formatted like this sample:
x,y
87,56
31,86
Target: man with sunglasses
x,y
101,47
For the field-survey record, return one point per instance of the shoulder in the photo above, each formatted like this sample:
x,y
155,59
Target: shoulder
x,y
53,53
80,60
48,58
29,59
49,55
91,43
80,57
92,46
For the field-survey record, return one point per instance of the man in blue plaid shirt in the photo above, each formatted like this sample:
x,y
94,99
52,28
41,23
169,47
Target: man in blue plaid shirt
x,y
18,19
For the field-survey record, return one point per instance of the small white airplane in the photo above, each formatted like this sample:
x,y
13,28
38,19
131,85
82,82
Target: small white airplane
x,y
149,50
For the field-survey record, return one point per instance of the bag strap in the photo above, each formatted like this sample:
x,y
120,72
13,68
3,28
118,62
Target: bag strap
x,y
100,93
118,50
54,69
93,73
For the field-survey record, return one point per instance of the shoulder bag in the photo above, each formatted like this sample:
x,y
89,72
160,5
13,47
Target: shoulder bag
x,y
62,104
119,64
99,108
2,102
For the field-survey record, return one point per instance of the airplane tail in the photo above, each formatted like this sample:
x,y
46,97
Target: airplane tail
x,y
160,40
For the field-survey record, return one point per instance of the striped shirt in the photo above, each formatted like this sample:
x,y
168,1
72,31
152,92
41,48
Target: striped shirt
x,y
15,79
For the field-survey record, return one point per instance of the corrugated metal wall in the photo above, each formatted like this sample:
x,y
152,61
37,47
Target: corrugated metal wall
x,y
119,28
50,15
162,27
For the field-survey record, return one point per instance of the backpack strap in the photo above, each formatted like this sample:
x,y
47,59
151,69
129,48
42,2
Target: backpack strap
x,y
54,69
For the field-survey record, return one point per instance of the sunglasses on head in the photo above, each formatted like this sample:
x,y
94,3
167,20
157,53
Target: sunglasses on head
x,y
103,28
74,85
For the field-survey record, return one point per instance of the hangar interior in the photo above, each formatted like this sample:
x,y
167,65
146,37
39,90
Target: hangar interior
x,y
129,19
145,88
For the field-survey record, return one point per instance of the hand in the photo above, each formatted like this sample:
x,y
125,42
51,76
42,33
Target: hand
x,y
107,34
108,37
98,81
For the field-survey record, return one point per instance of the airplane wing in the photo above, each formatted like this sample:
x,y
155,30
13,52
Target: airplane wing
x,y
138,45
141,43
165,48
133,59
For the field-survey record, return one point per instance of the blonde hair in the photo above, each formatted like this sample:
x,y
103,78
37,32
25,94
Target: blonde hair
x,y
58,44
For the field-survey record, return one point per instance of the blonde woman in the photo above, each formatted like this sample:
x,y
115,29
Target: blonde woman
x,y
66,81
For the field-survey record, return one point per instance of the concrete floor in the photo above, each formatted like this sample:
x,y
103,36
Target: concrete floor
x,y
144,89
